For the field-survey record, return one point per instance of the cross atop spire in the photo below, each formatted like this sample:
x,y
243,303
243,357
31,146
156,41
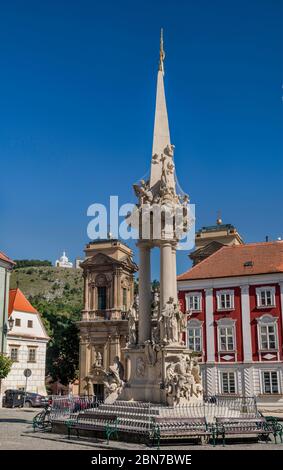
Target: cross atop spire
x,y
161,53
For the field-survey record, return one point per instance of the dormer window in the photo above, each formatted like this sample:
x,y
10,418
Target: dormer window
x,y
265,297
225,300
193,301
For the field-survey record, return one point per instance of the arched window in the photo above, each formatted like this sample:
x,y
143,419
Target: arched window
x,y
267,333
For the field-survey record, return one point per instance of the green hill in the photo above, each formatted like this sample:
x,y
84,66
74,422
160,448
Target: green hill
x,y
58,286
57,293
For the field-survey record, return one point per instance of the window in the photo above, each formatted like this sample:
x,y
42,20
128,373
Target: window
x,y
267,333
14,354
267,337
270,382
193,301
17,322
31,354
124,299
101,291
226,338
194,339
228,382
225,300
30,323
265,297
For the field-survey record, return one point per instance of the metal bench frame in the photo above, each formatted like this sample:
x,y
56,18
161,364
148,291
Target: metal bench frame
x,y
182,428
109,427
239,426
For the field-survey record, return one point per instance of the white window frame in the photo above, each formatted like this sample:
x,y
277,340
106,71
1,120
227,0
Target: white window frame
x,y
225,292
192,295
195,325
17,349
229,386
270,371
32,348
264,289
226,323
266,321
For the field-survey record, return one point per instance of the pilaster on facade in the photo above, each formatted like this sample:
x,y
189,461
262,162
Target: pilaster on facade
x,y
246,323
281,302
210,343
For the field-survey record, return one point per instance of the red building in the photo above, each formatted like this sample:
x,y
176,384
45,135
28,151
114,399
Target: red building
x,y
235,297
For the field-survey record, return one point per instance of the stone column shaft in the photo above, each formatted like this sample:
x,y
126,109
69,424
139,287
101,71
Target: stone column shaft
x,y
86,298
174,274
166,274
144,294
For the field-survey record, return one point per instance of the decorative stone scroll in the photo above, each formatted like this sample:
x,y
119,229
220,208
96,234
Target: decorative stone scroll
x,y
113,381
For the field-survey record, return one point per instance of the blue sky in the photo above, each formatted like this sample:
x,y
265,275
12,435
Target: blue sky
x,y
77,92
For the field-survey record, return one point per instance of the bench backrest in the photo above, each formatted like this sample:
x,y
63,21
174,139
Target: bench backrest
x,y
96,415
240,420
197,421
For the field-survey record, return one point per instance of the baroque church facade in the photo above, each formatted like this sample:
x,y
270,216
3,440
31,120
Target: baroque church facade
x,y
108,272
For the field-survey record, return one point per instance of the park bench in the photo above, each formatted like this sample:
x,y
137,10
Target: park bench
x,y
94,421
239,427
165,428
275,427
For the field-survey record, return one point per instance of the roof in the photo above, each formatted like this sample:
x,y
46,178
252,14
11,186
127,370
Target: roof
x,y
239,260
216,228
4,257
18,301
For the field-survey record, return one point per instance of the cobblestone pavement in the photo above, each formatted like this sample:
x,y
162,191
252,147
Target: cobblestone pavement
x,y
16,433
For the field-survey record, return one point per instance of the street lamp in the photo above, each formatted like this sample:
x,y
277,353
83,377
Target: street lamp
x,y
7,328
11,322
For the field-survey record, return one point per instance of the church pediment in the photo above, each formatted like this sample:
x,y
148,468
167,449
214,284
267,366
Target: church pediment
x,y
98,259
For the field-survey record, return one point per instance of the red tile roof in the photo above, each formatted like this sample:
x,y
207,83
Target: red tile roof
x,y
18,301
4,257
260,258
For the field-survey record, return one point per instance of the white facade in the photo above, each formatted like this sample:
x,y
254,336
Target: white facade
x,y
63,262
26,345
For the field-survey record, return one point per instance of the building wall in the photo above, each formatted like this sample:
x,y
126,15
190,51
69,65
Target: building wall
x,y
4,302
16,378
23,337
248,368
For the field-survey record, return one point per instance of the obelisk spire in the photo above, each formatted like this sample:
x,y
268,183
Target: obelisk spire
x,y
162,151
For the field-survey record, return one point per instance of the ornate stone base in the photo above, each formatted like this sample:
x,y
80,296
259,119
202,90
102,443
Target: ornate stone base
x,y
166,375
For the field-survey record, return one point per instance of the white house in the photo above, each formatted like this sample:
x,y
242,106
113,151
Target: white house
x,y
26,345
63,262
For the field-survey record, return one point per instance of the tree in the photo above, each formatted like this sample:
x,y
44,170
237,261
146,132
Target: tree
x,y
62,356
5,367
